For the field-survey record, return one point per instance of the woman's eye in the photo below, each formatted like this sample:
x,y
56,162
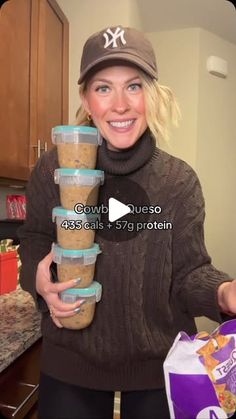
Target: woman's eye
x,y
134,87
102,89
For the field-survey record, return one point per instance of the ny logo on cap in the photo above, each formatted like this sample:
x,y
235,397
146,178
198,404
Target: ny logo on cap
x,y
119,33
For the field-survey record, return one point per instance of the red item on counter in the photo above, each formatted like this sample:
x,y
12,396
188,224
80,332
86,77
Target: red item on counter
x,y
16,206
8,272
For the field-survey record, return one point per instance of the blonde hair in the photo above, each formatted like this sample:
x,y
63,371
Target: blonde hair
x,y
81,114
161,107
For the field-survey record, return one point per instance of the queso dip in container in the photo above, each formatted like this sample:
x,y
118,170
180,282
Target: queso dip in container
x,y
74,231
78,186
75,264
84,317
76,145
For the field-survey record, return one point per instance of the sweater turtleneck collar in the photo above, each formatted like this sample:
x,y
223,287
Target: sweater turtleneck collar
x,y
129,160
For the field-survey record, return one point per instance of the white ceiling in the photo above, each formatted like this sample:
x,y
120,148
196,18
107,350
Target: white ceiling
x,y
217,16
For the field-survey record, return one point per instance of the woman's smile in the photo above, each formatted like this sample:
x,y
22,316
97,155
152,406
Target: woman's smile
x,y
121,126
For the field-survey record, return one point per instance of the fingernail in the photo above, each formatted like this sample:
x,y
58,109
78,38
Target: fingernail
x,y
77,281
77,310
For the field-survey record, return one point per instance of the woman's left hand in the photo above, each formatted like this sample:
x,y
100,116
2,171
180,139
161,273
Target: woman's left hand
x,y
227,297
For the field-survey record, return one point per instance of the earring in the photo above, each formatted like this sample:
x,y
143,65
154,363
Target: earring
x,y
89,117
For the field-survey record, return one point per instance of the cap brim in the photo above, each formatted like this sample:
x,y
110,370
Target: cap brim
x,y
128,58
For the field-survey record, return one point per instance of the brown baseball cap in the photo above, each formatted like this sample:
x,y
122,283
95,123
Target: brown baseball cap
x,y
118,44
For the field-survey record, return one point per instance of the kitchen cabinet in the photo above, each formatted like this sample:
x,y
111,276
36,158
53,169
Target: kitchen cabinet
x,y
19,385
33,82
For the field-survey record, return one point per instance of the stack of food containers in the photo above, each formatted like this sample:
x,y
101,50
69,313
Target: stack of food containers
x,y
75,251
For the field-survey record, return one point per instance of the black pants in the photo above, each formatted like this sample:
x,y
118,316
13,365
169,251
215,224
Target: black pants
x,y
58,400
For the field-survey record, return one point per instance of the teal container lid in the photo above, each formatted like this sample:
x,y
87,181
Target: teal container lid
x,y
60,252
79,176
72,215
75,128
76,134
94,290
79,172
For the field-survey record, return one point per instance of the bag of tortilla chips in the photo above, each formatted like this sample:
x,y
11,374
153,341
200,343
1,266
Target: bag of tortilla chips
x,y
200,374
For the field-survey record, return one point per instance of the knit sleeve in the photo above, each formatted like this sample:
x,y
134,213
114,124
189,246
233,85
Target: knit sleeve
x,y
195,279
38,232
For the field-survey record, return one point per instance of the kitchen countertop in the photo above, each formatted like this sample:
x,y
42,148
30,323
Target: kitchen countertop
x,y
19,325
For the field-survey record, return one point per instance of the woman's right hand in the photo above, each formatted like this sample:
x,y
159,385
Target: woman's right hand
x,y
49,291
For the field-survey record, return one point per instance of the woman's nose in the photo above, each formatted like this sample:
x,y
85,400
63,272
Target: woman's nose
x,y
120,103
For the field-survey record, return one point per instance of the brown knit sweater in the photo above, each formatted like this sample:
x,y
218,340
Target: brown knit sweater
x,y
153,285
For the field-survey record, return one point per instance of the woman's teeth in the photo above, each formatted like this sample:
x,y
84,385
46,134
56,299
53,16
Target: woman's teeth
x,y
122,124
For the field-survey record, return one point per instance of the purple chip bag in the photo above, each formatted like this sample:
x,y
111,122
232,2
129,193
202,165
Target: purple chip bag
x,y
200,374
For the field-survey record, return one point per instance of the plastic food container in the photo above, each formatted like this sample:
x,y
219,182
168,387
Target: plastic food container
x,y
76,146
78,186
84,317
75,231
75,264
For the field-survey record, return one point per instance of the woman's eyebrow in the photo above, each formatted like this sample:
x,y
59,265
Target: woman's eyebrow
x,y
101,80
104,80
133,79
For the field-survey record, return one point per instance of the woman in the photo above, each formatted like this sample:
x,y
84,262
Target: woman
x,y
154,284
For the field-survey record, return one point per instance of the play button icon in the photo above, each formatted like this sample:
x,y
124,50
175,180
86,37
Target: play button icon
x,y
117,197
117,210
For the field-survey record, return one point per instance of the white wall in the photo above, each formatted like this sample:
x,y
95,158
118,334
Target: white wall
x,y
177,54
